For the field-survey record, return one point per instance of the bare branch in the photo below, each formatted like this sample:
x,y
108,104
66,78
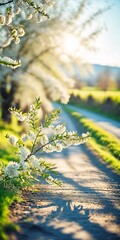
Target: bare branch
x,y
1,4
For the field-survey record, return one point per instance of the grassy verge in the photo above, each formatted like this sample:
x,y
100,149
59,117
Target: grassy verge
x,y
106,145
6,197
97,110
105,103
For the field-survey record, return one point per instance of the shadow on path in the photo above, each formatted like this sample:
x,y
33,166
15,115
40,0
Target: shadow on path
x,y
62,220
85,208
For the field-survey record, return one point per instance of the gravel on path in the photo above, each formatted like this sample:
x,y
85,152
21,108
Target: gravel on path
x,y
87,206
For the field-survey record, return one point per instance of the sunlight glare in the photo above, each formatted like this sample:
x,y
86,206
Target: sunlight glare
x,y
70,44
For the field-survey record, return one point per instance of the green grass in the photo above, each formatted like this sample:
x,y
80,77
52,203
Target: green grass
x,y
105,144
6,197
98,96
102,102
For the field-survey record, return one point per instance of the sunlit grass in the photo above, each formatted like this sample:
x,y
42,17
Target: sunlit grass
x,y
105,155
102,102
6,197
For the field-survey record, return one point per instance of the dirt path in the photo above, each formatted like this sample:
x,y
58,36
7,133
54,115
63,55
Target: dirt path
x,y
85,208
110,125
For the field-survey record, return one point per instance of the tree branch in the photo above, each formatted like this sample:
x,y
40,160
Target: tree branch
x,y
1,4
37,150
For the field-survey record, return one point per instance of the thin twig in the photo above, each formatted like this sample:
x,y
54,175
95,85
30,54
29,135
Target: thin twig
x,y
1,4
32,153
35,140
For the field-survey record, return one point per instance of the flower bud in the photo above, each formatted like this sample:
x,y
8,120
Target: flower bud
x,y
21,32
17,40
39,19
14,33
17,11
13,140
2,20
8,19
29,16
7,42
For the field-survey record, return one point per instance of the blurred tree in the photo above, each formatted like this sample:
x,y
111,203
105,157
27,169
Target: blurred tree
x,y
118,81
47,47
13,21
106,81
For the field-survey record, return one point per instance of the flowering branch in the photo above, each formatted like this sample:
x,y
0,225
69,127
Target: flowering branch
x,y
51,138
33,153
9,62
11,26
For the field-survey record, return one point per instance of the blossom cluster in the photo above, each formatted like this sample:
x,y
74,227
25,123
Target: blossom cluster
x,y
41,137
35,78
11,16
9,62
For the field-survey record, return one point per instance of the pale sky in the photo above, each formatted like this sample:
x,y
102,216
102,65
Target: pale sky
x,y
108,42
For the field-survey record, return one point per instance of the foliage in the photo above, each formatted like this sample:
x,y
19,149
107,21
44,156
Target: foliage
x,y
13,13
105,144
41,137
24,164
6,199
46,61
105,81
6,155
98,96
100,101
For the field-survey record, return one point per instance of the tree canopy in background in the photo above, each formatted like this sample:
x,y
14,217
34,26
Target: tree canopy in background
x,y
48,49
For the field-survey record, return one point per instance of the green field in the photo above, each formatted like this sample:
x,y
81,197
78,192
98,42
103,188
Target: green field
x,y
98,96
103,102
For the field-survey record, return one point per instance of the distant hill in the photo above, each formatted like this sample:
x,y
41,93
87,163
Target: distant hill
x,y
101,68
97,69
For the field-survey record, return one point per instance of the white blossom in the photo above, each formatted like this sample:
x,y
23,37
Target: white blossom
x,y
39,19
21,32
65,98
24,137
85,135
10,62
24,165
29,164
24,152
11,170
44,139
48,148
50,2
13,140
2,19
17,11
31,135
8,19
58,147
29,16
17,40
14,33
67,142
20,116
34,161
59,129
